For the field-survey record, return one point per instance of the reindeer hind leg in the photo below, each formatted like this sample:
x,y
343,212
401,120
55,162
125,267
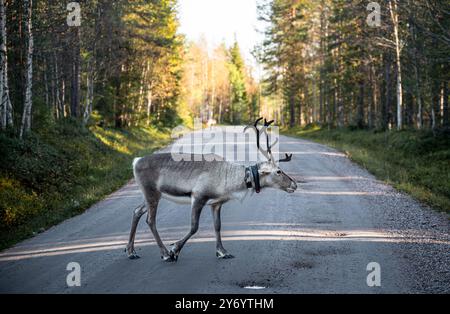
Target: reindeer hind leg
x,y
137,214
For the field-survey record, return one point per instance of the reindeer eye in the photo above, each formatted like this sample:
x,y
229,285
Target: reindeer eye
x,y
278,171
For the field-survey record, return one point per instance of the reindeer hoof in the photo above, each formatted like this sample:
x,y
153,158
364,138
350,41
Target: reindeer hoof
x,y
169,259
174,255
174,252
221,255
132,254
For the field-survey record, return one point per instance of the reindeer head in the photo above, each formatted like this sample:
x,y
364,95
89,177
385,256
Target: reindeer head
x,y
271,175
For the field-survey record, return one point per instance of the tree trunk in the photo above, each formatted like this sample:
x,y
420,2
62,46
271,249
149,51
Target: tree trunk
x,y
6,110
142,91
385,107
28,103
292,111
445,106
89,95
75,80
213,92
419,116
46,88
323,37
59,109
419,97
360,121
117,99
394,16
321,100
436,99
328,106
220,111
373,97
2,64
64,110
409,108
149,104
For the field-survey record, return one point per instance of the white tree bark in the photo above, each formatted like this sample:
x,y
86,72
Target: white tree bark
x,y
142,90
26,117
393,9
5,102
58,104
149,104
2,62
89,96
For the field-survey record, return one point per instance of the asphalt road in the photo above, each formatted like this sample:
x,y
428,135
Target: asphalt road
x,y
319,239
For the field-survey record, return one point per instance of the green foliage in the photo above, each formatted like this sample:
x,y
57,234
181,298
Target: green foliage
x,y
16,204
283,50
416,162
58,172
217,84
240,102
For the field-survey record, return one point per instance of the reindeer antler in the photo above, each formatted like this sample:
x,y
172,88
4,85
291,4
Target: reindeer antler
x,y
267,153
264,129
287,159
254,127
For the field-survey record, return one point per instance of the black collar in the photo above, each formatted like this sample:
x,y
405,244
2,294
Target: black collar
x,y
252,178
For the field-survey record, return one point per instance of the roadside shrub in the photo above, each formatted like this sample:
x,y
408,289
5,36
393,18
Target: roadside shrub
x,y
55,173
16,204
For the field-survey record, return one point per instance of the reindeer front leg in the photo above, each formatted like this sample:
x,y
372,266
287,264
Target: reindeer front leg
x,y
197,206
220,251
152,204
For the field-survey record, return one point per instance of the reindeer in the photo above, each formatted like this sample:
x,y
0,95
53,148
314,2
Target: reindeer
x,y
202,183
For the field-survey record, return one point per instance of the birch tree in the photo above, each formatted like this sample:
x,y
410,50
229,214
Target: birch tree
x,y
5,101
393,9
28,102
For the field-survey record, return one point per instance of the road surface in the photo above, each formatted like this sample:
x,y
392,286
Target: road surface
x,y
319,239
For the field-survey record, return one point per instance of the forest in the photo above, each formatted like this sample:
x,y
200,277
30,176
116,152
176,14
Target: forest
x,y
337,63
125,65
103,77
121,64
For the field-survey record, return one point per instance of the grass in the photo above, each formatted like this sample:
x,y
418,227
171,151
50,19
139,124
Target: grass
x,y
416,162
55,174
